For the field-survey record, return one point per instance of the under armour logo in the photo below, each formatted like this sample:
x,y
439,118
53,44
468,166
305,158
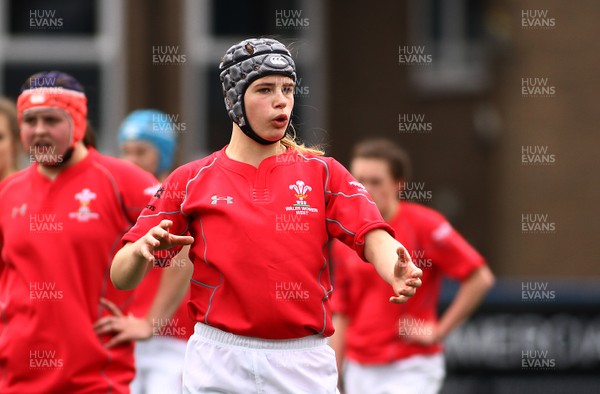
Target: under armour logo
x,y
215,199
19,210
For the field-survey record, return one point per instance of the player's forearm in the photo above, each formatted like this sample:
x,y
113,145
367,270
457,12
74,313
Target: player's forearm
x,y
340,323
128,268
174,284
469,296
380,250
337,341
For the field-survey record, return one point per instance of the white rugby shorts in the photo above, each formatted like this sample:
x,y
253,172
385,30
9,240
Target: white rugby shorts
x,y
220,362
422,374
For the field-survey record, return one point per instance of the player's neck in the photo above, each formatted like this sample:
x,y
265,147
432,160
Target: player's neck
x,y
392,210
242,148
51,172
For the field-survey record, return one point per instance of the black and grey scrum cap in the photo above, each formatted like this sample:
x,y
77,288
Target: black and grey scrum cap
x,y
242,64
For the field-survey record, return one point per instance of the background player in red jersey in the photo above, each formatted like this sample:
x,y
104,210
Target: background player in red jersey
x,y
390,348
260,290
60,223
9,138
147,138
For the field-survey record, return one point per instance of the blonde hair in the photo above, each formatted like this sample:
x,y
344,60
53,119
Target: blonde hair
x,y
8,109
289,141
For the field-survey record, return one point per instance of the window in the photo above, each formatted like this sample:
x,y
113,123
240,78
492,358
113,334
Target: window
x,y
41,17
81,37
449,35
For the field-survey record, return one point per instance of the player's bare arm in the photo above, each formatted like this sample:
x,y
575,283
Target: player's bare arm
x,y
134,260
336,341
393,263
469,296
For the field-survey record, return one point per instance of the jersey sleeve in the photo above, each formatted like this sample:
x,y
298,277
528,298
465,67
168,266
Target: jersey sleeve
x,y
450,252
136,191
165,204
350,211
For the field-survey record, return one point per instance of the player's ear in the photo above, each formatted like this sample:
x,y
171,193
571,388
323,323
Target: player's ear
x,y
401,184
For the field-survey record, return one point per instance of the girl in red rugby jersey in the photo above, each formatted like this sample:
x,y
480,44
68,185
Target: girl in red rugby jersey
x,y
60,222
258,215
399,348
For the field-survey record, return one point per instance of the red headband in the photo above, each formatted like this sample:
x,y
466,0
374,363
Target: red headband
x,y
73,102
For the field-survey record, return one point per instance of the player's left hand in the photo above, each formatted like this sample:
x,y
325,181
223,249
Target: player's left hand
x,y
407,277
124,328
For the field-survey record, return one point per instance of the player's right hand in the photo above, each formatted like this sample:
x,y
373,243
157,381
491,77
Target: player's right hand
x,y
407,277
159,238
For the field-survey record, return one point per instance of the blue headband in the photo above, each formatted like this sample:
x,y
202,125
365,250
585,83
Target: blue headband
x,y
155,127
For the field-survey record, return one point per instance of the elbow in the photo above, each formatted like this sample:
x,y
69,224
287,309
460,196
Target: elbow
x,y
119,272
120,285
117,279
114,278
487,278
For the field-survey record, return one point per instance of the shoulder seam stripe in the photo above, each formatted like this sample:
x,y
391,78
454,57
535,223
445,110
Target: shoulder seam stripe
x,y
181,209
326,185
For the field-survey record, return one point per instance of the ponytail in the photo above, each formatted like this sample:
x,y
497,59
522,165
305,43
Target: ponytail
x,y
289,141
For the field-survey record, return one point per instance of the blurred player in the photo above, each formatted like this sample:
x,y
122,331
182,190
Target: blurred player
x,y
60,224
9,138
260,291
147,138
398,348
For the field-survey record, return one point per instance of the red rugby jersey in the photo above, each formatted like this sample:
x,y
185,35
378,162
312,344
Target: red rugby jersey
x,y
57,241
377,327
261,238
